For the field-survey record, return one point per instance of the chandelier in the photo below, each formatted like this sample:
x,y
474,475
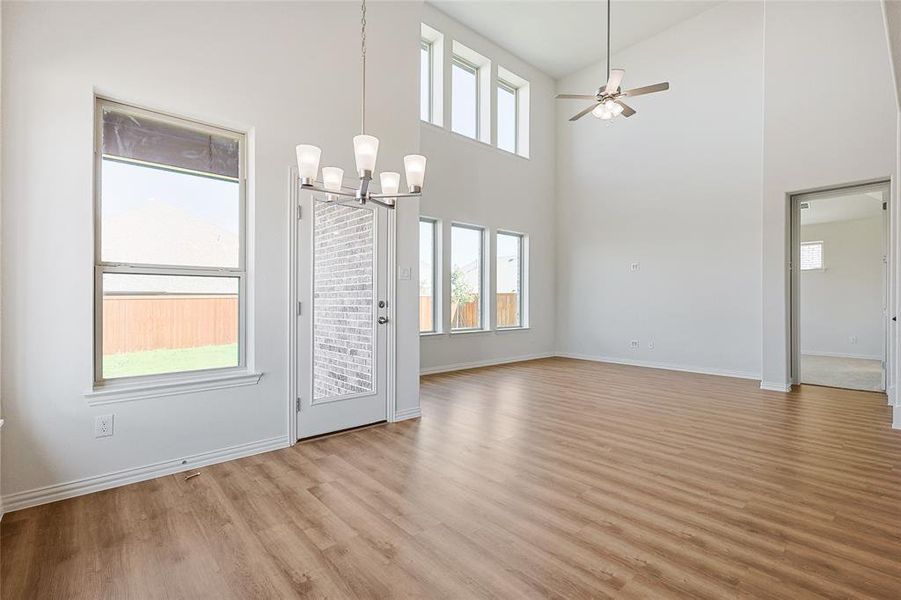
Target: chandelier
x,y
366,149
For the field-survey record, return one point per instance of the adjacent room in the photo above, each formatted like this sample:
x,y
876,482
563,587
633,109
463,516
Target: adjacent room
x,y
450,299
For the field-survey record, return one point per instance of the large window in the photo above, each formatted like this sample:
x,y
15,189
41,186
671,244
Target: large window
x,y
506,116
425,80
465,100
466,277
510,265
427,275
170,273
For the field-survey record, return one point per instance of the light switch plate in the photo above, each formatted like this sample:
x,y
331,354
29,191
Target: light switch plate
x,y
406,273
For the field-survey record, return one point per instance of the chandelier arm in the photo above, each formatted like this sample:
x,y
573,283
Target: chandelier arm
x,y
608,39
397,195
316,188
380,202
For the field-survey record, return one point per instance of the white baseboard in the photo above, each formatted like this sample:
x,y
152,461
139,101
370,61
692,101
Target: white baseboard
x,y
483,363
664,366
88,485
407,413
775,386
842,355
896,416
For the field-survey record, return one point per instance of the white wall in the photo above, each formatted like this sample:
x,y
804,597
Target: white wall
x,y
288,73
844,300
675,188
811,49
473,182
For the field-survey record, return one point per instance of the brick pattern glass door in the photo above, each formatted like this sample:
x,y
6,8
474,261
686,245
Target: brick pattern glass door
x,y
342,344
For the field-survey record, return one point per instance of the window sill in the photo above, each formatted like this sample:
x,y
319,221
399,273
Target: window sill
x,y
112,393
431,334
466,138
506,329
468,331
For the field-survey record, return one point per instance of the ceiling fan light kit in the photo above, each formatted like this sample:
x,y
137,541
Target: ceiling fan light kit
x,y
366,150
607,100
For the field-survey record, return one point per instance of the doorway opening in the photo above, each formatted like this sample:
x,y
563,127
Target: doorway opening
x,y
840,284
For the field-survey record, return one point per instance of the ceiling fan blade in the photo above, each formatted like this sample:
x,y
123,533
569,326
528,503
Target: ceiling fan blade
x,y
616,78
648,89
581,114
628,111
576,97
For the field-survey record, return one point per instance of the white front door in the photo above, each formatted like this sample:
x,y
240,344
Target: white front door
x,y
342,333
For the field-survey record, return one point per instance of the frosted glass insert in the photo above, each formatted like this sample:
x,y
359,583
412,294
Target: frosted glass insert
x,y
343,301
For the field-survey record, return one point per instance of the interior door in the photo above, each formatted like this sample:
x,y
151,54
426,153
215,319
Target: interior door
x,y
342,334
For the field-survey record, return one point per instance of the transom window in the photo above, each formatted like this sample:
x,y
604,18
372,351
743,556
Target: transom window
x,y
811,256
169,258
465,101
507,116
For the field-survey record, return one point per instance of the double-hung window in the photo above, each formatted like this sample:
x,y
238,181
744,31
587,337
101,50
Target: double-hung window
x,y
170,274
510,272
467,279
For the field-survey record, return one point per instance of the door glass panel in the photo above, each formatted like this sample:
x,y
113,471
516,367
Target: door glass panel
x,y
343,300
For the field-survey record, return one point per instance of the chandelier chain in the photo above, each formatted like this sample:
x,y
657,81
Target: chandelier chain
x,y
363,56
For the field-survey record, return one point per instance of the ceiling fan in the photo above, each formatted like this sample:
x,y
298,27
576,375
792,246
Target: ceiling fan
x,y
607,101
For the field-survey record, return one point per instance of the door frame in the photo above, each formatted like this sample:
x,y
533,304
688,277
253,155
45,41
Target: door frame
x,y
293,215
793,290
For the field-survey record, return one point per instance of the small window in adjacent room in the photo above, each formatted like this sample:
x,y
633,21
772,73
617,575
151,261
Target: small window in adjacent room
x,y
170,268
506,116
466,277
465,101
811,256
510,277
427,275
425,80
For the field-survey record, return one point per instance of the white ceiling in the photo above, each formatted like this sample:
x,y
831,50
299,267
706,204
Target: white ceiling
x,y
842,208
562,36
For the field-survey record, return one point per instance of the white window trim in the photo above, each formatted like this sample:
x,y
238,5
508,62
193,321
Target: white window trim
x,y
484,301
822,266
523,280
435,40
166,384
437,321
513,81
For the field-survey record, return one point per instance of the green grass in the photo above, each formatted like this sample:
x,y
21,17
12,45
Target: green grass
x,y
129,364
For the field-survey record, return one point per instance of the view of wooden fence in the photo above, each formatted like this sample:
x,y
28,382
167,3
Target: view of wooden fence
x,y
152,322
507,307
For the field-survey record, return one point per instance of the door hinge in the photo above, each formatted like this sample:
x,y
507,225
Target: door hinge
x,y
299,212
299,308
297,404
885,206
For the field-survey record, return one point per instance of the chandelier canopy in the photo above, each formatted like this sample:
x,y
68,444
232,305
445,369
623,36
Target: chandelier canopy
x,y
366,150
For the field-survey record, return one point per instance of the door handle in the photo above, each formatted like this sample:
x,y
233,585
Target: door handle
x,y
382,320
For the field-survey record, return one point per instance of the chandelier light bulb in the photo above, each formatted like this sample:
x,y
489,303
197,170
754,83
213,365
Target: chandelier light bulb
x,y
366,150
414,167
609,105
390,182
332,178
617,109
600,111
308,161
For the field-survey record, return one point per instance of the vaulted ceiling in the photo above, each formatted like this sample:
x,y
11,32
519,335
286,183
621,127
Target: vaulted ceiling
x,y
561,36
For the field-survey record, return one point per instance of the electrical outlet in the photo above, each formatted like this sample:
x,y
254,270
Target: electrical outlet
x,y
103,426
635,344
635,267
650,345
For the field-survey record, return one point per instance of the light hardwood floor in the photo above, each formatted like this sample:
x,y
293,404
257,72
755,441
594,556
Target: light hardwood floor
x,y
550,478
